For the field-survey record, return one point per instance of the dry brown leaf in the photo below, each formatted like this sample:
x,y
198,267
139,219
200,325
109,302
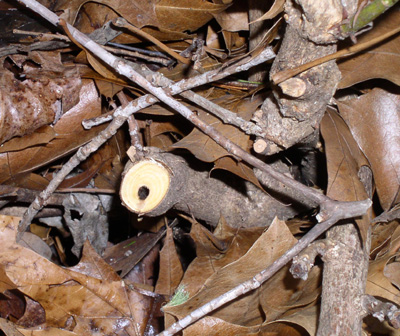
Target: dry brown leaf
x,y
139,13
5,282
378,110
392,272
210,258
9,328
30,181
12,305
108,88
378,284
394,245
380,238
178,16
276,8
234,18
306,318
234,42
383,277
170,126
182,15
379,61
238,168
90,169
113,154
49,60
275,296
171,271
344,159
41,136
213,326
91,264
126,254
34,314
97,14
70,135
158,109
91,296
105,71
212,39
47,332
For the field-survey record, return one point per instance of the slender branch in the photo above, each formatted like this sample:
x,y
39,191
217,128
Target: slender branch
x,y
133,128
136,54
225,115
329,209
47,35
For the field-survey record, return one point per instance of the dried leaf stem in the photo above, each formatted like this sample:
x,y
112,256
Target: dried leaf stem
x,y
281,76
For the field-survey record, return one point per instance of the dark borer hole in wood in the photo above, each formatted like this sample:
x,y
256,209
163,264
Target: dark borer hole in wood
x,y
143,192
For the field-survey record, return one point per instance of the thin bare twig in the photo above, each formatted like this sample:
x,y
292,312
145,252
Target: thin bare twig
x,y
225,115
133,128
48,35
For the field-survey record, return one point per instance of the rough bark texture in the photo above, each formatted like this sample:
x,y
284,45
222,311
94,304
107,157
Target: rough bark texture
x,y
346,264
292,115
206,198
344,281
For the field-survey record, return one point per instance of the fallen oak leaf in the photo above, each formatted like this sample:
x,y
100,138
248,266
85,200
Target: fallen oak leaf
x,y
70,135
379,108
344,160
41,136
378,61
93,302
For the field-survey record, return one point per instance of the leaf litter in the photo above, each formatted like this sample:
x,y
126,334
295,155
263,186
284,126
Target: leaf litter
x,y
96,296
